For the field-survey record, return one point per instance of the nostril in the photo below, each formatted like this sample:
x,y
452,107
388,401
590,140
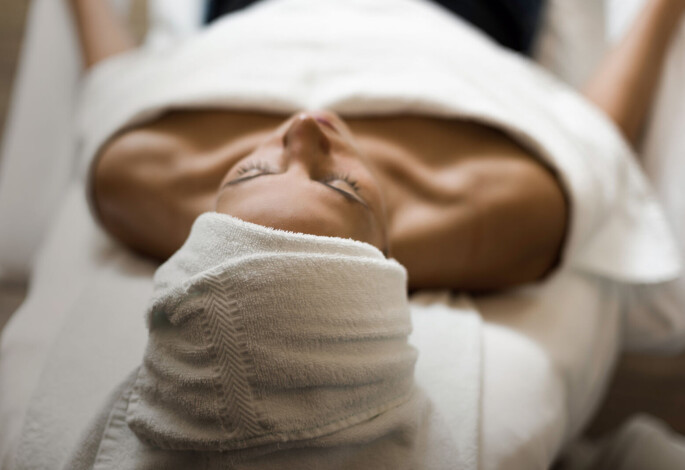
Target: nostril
x,y
306,131
325,144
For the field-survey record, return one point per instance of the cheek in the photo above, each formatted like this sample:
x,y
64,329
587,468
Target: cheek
x,y
378,235
375,196
302,213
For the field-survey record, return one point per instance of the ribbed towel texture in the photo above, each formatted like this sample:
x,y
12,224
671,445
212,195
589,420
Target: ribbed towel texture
x,y
272,350
262,337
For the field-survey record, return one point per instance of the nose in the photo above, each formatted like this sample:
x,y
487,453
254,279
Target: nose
x,y
305,141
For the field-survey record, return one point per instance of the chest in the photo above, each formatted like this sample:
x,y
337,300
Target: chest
x,y
431,161
424,164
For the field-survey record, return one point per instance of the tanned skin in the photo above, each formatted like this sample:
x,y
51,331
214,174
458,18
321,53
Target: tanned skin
x,y
463,205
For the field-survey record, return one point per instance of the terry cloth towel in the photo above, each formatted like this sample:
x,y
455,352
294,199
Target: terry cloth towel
x,y
389,57
642,442
270,349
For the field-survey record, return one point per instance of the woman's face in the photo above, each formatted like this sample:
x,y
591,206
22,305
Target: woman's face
x,y
309,177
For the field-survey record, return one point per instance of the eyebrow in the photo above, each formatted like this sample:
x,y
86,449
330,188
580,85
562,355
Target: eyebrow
x,y
349,196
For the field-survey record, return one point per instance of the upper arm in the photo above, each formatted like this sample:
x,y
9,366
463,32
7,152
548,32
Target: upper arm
x,y
137,195
625,83
507,229
102,33
523,213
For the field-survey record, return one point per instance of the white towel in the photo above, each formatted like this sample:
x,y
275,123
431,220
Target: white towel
x,y
361,57
642,442
270,349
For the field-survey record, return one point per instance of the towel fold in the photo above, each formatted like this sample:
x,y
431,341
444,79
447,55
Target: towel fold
x,y
270,349
260,336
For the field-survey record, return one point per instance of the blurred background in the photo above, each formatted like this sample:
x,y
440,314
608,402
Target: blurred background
x,y
12,17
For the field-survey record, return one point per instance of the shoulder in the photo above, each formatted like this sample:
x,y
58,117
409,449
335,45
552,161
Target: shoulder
x,y
523,212
138,193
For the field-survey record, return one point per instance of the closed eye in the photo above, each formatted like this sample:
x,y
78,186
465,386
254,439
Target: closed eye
x,y
345,178
246,178
348,195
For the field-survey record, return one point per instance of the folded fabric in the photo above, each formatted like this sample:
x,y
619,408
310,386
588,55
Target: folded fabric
x,y
642,442
270,348
282,56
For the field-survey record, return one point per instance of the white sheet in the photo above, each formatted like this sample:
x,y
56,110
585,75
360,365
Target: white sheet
x,y
52,45
663,150
38,145
537,388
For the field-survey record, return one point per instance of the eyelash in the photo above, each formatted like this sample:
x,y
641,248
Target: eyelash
x,y
265,168
343,177
253,166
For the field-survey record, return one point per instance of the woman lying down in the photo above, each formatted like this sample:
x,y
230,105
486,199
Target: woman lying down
x,y
309,145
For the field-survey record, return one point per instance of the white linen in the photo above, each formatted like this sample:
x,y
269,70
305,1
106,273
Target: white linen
x,y
173,21
656,319
538,388
42,110
249,326
643,442
37,155
271,349
571,43
572,39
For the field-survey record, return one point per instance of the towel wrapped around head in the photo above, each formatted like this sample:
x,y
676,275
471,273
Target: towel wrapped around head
x,y
266,339
276,350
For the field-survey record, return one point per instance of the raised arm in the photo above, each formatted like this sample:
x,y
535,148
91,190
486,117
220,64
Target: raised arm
x,y
101,32
625,83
